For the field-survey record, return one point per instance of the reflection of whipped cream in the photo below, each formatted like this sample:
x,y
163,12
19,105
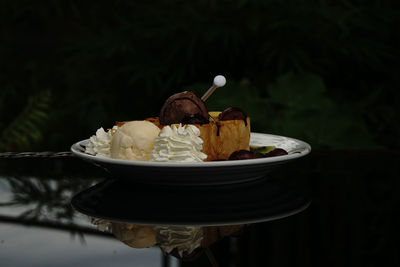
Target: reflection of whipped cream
x,y
102,225
183,238
178,143
99,144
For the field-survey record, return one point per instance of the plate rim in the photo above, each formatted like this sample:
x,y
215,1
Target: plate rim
x,y
260,219
307,149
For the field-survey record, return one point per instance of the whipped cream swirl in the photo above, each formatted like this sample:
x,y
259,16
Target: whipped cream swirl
x,y
178,143
100,144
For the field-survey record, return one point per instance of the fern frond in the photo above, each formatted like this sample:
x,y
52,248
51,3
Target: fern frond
x,y
26,129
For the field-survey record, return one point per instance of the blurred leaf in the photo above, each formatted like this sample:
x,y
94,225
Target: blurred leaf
x,y
299,91
297,106
26,129
306,112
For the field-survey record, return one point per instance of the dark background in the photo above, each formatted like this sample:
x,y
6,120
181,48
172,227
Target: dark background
x,y
325,72
322,71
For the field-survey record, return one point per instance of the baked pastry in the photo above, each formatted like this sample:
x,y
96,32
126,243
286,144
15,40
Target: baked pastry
x,y
222,137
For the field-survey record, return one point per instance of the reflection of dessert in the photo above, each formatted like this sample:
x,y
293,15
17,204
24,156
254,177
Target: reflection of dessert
x,y
180,241
184,132
133,235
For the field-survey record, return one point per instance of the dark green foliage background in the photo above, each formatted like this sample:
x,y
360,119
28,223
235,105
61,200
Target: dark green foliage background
x,y
323,71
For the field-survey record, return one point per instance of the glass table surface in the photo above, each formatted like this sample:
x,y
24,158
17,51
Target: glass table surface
x,y
351,219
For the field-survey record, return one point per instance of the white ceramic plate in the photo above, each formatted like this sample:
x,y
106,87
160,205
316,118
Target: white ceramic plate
x,y
214,172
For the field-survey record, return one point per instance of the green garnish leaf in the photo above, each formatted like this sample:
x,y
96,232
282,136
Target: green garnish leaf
x,y
261,149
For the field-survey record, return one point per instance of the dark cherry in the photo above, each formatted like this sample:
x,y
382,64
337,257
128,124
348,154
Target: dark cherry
x,y
276,152
244,154
232,113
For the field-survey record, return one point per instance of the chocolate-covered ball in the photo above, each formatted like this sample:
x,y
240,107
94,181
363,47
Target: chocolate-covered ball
x,y
184,107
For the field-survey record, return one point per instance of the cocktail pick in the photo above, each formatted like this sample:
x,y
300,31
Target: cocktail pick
x,y
219,81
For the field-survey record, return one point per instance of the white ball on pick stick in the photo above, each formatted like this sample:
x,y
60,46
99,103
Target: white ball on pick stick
x,y
219,81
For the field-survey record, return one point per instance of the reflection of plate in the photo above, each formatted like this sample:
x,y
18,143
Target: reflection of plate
x,y
215,172
239,203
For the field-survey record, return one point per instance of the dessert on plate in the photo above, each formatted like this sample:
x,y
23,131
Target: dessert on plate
x,y
184,131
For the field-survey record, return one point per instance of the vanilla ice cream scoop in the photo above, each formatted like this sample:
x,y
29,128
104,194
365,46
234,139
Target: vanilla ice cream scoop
x,y
134,140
